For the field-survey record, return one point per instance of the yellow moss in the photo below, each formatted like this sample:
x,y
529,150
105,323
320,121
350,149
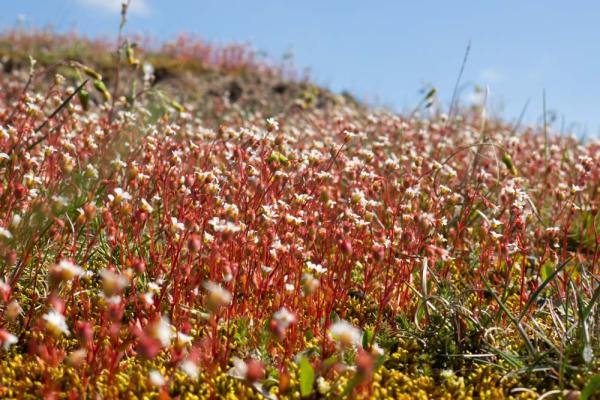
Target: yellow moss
x,y
406,374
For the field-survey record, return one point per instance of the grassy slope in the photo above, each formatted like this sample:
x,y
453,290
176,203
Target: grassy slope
x,y
469,324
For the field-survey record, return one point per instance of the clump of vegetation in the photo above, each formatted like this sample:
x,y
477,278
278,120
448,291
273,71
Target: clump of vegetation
x,y
216,227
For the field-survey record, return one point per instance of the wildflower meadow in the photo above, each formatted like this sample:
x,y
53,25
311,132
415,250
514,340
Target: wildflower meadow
x,y
188,221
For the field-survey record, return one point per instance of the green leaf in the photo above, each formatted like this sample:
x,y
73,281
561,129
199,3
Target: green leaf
x,y
131,60
334,317
379,362
546,271
536,293
591,303
366,339
101,87
591,387
308,335
92,73
403,323
307,377
430,94
430,97
177,106
330,361
84,99
508,162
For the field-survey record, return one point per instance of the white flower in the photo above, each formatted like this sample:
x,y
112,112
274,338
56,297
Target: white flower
x,y
495,235
445,189
323,386
112,282
310,283
376,350
146,207
118,163
121,195
91,171
447,374
189,368
276,247
208,238
220,225
576,188
156,378
358,197
345,334
227,277
176,225
495,223
302,198
15,220
148,298
113,300
162,331
4,286
183,339
266,269
13,310
56,323
154,286
520,199
48,150
148,70
66,270
448,171
284,318
272,124
239,369
413,192
7,339
60,201
292,220
318,268
512,248
217,295
231,210
5,233
323,175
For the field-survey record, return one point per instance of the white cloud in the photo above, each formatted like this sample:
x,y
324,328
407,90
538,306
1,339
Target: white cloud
x,y
137,7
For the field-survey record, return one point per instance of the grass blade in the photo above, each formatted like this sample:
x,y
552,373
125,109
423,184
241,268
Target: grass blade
x,y
540,288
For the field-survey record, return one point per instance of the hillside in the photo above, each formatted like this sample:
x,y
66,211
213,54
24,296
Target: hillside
x,y
185,220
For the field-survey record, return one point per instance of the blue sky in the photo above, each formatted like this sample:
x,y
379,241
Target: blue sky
x,y
386,51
